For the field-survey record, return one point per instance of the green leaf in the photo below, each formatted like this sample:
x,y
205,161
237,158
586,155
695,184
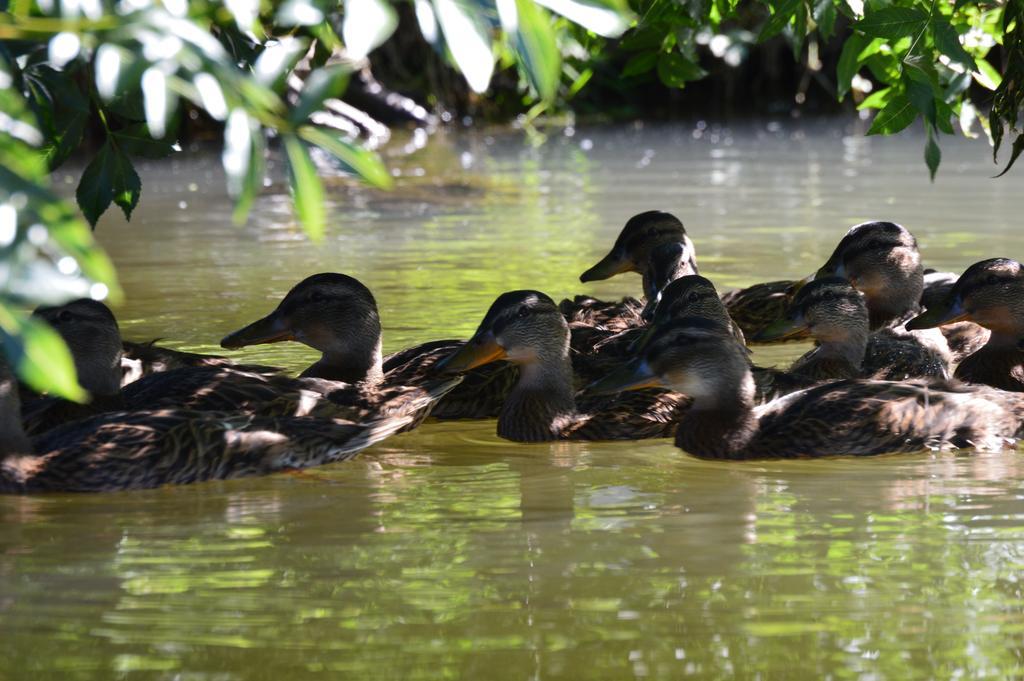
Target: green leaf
x,y
135,140
897,115
675,70
849,62
987,75
1018,147
307,190
877,99
609,19
922,97
892,23
782,13
467,33
947,40
825,17
932,154
533,39
64,139
39,355
321,85
640,63
109,177
363,163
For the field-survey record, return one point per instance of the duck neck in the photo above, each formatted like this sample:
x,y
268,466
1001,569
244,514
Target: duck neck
x,y
12,436
848,346
722,425
358,364
541,403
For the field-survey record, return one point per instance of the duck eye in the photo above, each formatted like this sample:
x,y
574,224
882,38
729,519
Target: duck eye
x,y
992,280
693,297
522,312
64,317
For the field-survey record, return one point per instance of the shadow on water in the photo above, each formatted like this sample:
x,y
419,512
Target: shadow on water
x,y
447,552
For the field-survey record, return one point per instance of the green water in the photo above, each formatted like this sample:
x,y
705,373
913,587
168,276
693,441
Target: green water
x,y
448,553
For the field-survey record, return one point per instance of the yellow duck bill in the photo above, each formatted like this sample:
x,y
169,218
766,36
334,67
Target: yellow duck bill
x,y
950,313
635,374
609,266
271,329
479,350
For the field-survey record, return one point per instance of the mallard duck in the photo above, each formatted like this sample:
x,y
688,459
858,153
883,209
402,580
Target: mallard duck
x,y
849,417
989,293
755,308
653,244
337,315
528,329
91,332
963,338
881,260
143,449
836,316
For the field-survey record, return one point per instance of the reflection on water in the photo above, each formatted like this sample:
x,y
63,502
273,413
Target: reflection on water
x,y
449,553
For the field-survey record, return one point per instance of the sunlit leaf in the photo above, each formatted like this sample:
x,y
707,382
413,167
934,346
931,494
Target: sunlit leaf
x,y
606,19
892,23
277,61
877,99
322,84
849,62
366,164
897,115
468,36
38,355
782,13
307,189
987,75
533,39
367,24
135,140
947,40
299,13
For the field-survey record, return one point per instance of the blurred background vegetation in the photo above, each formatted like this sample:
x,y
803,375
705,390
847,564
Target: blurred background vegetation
x,y
114,82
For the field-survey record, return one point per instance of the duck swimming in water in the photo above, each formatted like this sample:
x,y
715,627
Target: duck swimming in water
x,y
990,293
337,315
848,417
655,245
144,449
528,329
91,333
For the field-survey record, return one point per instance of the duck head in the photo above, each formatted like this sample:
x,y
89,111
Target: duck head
x,y
639,237
522,327
989,293
829,308
881,260
332,313
91,333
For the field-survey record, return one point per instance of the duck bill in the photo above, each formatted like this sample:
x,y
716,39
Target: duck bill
x,y
939,316
782,329
647,315
609,266
273,328
479,350
633,375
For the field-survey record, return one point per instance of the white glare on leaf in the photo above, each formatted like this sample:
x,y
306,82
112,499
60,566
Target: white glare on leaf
x,y
154,93
67,265
211,96
178,8
275,58
427,21
601,20
367,24
508,14
237,149
37,235
245,12
63,48
299,13
92,9
8,224
108,70
20,129
468,43
99,291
